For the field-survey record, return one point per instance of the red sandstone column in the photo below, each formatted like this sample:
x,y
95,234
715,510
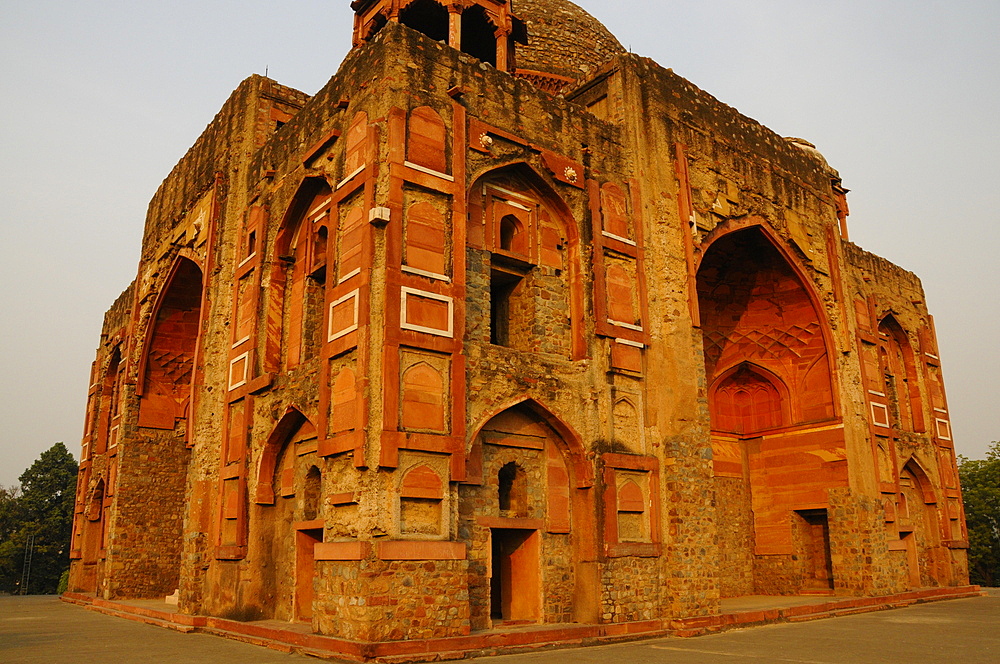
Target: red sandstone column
x,y
503,55
455,26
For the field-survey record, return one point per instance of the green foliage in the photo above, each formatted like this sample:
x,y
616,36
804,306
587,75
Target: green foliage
x,y
981,494
41,507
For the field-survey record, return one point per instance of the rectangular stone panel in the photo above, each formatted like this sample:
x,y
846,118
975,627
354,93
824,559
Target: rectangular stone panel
x,y
426,312
343,316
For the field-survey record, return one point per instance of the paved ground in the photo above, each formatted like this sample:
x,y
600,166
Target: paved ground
x,y
42,630
962,631
45,630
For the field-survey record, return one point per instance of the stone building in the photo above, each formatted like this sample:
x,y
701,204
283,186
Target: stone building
x,y
507,325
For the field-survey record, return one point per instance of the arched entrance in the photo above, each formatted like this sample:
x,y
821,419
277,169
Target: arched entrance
x,y
772,406
523,521
148,533
917,522
288,519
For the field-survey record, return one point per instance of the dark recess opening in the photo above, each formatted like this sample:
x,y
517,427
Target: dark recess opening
x,y
502,284
428,17
479,35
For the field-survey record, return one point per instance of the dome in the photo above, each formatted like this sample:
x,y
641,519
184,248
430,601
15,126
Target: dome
x,y
563,39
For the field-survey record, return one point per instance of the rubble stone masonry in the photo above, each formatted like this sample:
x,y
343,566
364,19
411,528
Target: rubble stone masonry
x,y
506,326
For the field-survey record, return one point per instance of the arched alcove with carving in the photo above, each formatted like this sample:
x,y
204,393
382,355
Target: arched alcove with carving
x,y
766,345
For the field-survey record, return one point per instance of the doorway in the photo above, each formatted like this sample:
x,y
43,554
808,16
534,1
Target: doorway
x,y
818,573
305,567
515,583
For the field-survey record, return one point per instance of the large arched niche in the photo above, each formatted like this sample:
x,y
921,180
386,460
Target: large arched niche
x,y
528,491
526,231
166,369
920,528
757,307
155,500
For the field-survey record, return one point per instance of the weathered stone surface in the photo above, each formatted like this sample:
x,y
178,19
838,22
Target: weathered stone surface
x,y
434,351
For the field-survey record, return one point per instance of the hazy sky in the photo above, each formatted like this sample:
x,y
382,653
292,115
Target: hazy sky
x,y
99,99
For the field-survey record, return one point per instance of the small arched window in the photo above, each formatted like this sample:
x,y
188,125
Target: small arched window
x,y
512,489
96,506
313,489
508,230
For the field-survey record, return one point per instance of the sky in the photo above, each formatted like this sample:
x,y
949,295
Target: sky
x,y
99,99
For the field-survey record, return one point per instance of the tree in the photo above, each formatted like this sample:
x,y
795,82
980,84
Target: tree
x,y
981,494
10,511
37,518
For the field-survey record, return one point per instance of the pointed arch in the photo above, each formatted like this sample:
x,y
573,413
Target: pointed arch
x,y
423,400
567,439
292,423
311,191
732,226
627,424
899,372
924,482
757,305
545,233
110,400
747,399
300,250
631,498
422,482
166,367
523,176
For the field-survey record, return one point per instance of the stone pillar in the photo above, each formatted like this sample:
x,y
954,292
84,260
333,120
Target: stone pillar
x,y
455,26
503,55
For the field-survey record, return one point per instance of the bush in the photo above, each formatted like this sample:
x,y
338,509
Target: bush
x,y
981,495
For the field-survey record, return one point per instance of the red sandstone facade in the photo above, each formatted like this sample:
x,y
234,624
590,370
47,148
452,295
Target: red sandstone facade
x,y
507,325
